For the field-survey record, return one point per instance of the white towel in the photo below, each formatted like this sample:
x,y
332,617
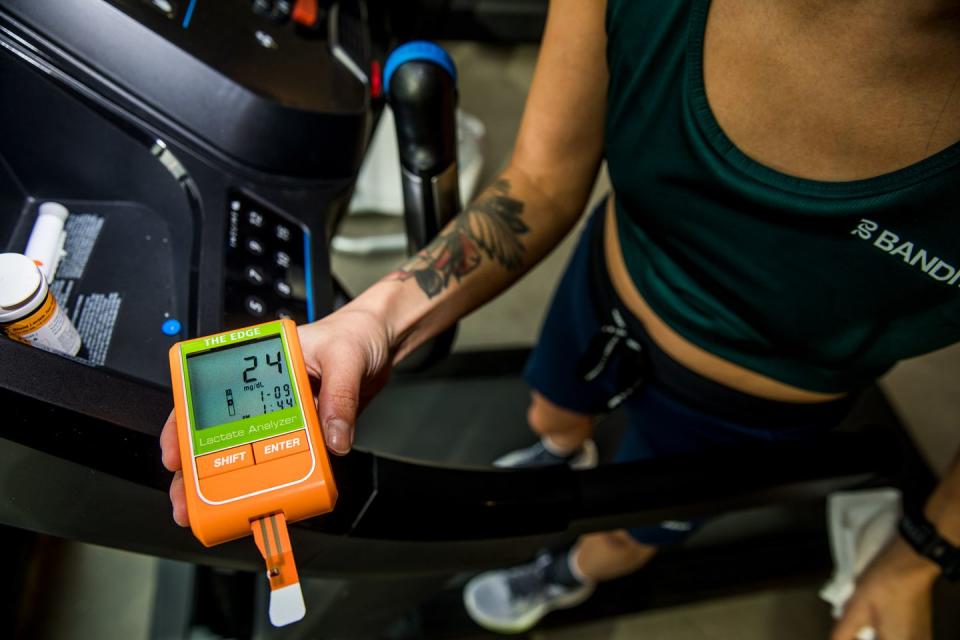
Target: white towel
x,y
861,523
378,188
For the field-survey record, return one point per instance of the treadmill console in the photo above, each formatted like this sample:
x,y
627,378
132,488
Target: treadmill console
x,y
284,97
203,149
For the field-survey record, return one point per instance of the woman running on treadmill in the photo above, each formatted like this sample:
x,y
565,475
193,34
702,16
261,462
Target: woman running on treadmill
x,y
786,180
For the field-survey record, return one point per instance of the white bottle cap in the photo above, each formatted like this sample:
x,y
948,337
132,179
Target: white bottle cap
x,y
54,209
21,284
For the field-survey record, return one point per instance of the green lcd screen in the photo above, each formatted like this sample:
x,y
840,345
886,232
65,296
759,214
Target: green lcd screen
x,y
238,382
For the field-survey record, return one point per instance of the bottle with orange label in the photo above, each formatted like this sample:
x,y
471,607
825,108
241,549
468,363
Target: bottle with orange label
x,y
251,447
28,311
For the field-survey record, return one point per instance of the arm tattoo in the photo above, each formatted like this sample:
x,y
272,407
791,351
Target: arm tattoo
x,y
490,226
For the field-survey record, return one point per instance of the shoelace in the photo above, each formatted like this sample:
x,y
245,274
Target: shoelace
x,y
543,455
529,581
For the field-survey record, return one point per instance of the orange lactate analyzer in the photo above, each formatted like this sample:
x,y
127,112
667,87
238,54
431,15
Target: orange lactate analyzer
x,y
251,446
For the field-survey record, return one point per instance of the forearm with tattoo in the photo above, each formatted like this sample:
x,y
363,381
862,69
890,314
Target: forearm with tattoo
x,y
490,227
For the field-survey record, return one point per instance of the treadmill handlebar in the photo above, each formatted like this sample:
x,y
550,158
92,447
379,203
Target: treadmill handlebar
x,y
457,504
475,504
420,83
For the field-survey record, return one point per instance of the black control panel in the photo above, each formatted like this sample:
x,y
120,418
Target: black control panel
x,y
266,266
307,13
272,86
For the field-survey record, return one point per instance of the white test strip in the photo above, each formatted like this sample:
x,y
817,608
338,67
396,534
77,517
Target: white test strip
x,y
286,605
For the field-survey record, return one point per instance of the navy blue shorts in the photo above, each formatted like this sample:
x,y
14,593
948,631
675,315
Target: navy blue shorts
x,y
593,355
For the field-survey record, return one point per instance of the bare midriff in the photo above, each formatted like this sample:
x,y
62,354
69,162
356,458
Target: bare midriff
x,y
682,350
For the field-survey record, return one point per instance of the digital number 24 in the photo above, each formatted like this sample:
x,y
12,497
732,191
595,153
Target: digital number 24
x,y
248,378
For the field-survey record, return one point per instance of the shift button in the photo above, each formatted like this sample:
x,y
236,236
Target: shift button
x,y
281,446
223,461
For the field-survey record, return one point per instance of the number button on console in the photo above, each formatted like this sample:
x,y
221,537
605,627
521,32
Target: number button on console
x,y
255,275
255,219
283,232
283,288
255,306
283,259
254,247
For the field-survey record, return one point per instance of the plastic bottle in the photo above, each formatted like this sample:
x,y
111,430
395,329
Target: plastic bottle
x,y
45,246
28,311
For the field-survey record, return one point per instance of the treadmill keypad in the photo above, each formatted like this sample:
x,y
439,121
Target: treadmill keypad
x,y
264,265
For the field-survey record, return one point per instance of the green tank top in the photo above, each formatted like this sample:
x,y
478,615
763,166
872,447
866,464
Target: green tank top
x,y
821,285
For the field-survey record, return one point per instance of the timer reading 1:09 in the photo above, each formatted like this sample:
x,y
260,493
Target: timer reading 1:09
x,y
240,382
278,399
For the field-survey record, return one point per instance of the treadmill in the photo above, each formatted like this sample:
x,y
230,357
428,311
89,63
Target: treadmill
x,y
207,151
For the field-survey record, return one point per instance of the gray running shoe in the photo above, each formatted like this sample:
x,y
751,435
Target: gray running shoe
x,y
514,600
538,455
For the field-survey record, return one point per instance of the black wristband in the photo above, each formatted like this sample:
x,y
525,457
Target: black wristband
x,y
923,537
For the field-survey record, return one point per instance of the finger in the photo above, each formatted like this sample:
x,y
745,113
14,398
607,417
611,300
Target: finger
x,y
866,633
311,344
342,372
855,619
170,444
179,500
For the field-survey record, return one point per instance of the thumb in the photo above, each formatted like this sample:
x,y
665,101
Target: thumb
x,y
341,372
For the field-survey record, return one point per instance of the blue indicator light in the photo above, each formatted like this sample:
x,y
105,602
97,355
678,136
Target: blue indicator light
x,y
171,327
189,14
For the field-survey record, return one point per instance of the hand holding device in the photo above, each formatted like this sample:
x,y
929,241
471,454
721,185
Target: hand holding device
x,y
250,446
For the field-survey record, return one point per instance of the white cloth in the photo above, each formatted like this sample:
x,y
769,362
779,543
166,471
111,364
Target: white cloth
x,y
861,523
379,189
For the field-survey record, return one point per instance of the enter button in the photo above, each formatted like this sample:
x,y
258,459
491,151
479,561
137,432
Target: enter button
x,y
280,446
